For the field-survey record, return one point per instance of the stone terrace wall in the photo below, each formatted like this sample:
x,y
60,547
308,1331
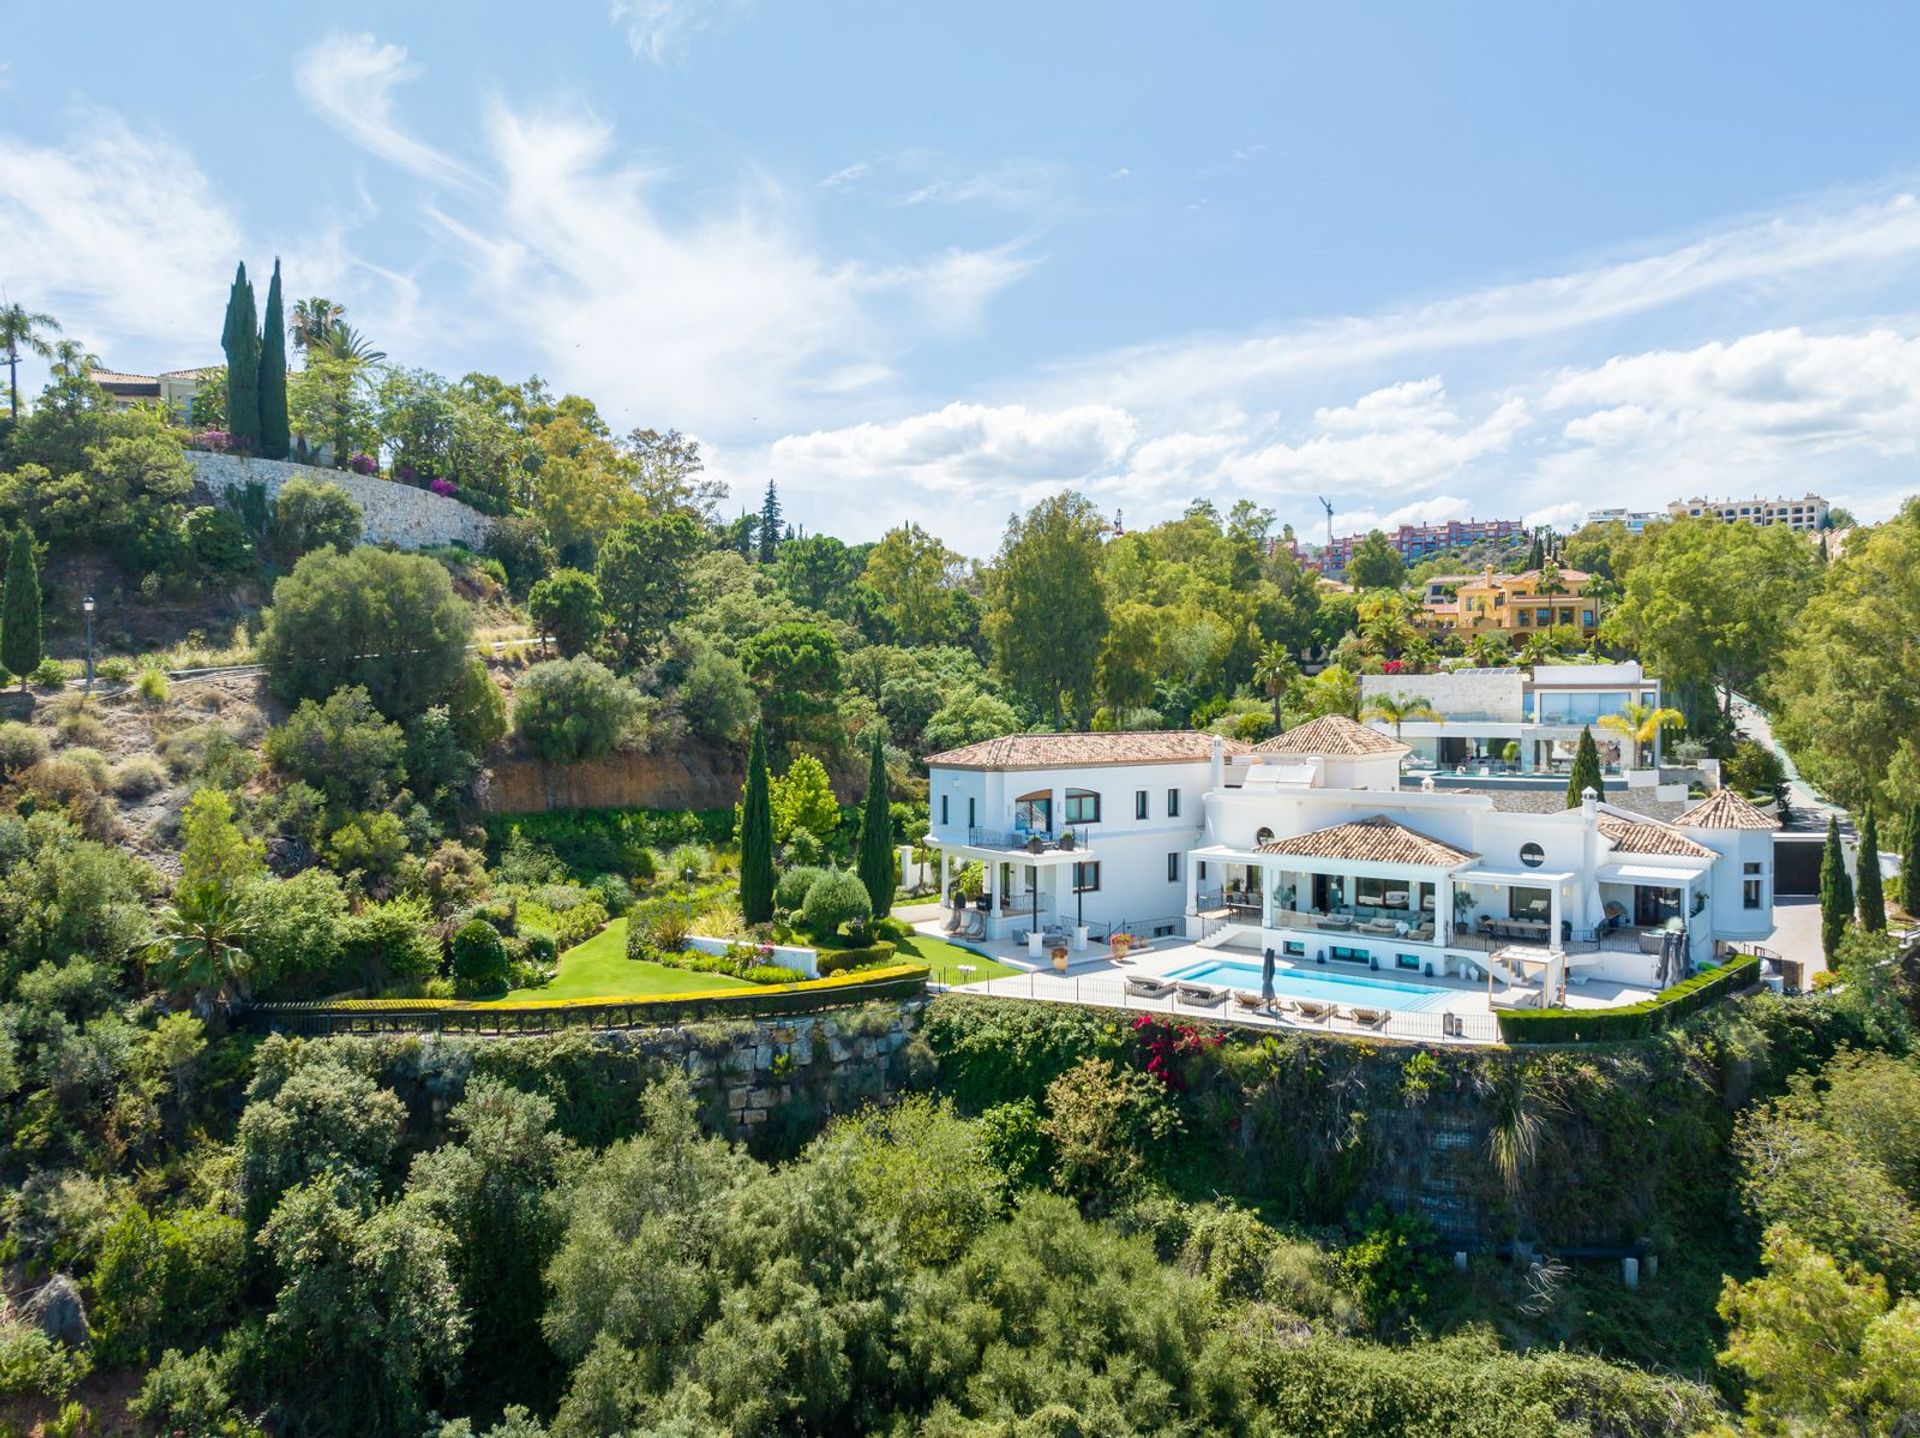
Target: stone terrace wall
x,y
390,513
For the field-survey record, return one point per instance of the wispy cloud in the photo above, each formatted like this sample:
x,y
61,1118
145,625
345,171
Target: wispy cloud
x,y
348,81
662,30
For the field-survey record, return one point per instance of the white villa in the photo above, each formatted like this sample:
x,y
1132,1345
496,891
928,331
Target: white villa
x,y
1309,846
1515,720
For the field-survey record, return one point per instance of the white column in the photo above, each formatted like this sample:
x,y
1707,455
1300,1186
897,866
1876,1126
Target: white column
x,y
1553,916
1193,884
1268,876
993,893
944,893
1442,908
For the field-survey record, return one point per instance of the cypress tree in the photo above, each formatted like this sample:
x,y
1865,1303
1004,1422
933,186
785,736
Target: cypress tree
x,y
756,836
1872,897
275,440
1910,866
876,834
769,525
242,344
1537,554
20,609
1586,769
1836,892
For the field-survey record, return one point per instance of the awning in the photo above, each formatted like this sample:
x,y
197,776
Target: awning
x,y
1512,878
1663,875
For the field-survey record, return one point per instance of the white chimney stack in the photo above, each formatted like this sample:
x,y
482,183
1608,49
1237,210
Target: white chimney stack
x,y
1217,763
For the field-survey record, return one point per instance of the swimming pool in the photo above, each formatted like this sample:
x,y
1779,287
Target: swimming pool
x,y
1343,989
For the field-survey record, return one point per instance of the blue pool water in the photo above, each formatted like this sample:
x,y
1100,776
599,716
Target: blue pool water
x,y
1327,988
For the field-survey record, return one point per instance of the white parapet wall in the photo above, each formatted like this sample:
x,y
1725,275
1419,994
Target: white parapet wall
x,y
787,956
390,513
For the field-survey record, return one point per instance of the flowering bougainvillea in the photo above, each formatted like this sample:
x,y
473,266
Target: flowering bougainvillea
x,y
403,472
364,464
1393,666
1167,1047
444,487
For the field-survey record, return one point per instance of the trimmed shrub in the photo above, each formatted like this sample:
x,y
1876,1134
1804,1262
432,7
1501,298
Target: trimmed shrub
x,y
480,960
791,892
152,685
771,974
840,961
1630,1021
49,674
836,899
21,746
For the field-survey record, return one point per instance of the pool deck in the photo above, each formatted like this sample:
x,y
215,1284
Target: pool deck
x,y
1093,977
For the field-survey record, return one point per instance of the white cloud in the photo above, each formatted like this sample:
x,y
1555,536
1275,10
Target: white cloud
x,y
662,30
955,288
120,235
348,81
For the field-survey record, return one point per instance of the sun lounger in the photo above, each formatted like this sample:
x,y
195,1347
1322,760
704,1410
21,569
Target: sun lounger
x,y
1383,927
1333,921
1313,1011
1253,1003
1138,988
1372,1018
1200,996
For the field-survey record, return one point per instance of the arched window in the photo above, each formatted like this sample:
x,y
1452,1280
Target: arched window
x,y
1083,806
1034,812
1265,836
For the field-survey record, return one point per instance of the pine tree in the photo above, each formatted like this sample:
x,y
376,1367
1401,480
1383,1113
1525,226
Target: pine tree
x,y
1872,897
1836,892
769,525
876,834
275,440
756,836
1586,769
1537,555
241,341
1910,866
20,609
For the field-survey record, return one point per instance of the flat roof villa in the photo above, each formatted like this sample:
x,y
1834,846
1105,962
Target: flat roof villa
x,y
1516,720
1309,846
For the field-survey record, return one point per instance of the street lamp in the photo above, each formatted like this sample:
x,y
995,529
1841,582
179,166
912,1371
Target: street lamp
x,y
87,605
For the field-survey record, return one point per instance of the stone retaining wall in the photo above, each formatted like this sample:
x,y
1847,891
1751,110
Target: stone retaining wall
x,y
390,513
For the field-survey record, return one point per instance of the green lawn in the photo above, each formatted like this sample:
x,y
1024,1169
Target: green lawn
x,y
600,968
945,958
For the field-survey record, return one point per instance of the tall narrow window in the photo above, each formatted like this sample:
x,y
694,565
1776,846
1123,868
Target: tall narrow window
x,y
1753,888
943,811
1139,803
971,819
1173,868
1173,803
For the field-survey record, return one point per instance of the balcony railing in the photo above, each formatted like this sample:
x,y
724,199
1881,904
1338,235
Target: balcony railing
x,y
1388,924
1065,839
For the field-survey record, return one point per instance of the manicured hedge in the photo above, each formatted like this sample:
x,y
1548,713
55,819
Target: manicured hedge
x,y
838,961
1631,1021
896,981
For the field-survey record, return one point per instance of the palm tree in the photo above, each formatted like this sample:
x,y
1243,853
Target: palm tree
x,y
1490,650
347,343
200,954
1642,723
1536,648
1396,709
1276,673
313,321
1550,580
21,328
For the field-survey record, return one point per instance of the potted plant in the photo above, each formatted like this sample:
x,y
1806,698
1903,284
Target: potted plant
x,y
1036,845
1120,942
1067,841
1060,958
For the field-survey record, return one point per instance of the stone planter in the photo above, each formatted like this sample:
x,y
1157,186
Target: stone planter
x,y
1060,959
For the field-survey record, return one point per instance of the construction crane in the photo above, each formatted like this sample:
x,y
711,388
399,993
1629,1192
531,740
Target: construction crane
x,y
1329,509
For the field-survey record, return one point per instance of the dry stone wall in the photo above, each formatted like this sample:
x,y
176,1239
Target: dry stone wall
x,y
390,513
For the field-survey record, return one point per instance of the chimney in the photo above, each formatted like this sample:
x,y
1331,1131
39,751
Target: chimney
x,y
1217,763
1589,802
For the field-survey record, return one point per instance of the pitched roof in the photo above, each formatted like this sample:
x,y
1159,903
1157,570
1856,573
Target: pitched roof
x,y
112,376
1376,840
1725,810
1652,838
1331,734
1060,751
1515,800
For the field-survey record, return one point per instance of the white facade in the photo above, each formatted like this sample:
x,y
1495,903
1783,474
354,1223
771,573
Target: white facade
x,y
1635,520
1325,858
1516,720
1806,514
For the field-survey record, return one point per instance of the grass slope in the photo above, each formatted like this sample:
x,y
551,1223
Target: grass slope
x,y
944,959
600,968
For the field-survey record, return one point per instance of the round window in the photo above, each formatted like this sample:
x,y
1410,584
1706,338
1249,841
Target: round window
x,y
1265,836
1532,855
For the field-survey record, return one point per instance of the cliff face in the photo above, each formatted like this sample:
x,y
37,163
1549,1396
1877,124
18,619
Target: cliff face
x,y
686,778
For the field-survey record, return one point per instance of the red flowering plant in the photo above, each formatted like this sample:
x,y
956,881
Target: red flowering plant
x,y
1393,666
364,464
1167,1047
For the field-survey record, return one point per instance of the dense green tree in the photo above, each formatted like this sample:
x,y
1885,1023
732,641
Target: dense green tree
x,y
968,718
1047,608
1910,865
816,571
714,697
388,621
20,608
756,836
213,849
567,711
309,514
343,747
566,606
200,952
769,526
642,573
1836,891
803,805
241,342
835,900
1586,769
876,832
1870,894
915,576
795,668
1375,564
275,440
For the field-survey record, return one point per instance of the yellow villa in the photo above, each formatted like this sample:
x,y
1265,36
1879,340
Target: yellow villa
x,y
1510,603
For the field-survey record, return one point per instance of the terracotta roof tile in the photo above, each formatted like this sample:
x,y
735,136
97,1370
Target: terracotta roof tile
x,y
1725,810
1333,734
1376,840
1652,838
1060,751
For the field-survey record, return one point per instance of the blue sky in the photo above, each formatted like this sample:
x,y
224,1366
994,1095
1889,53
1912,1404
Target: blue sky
x,y
934,262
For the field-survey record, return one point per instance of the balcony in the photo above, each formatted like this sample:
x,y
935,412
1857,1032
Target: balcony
x,y
1071,838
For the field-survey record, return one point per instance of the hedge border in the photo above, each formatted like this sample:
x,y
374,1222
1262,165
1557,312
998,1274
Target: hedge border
x,y
898,981
1630,1021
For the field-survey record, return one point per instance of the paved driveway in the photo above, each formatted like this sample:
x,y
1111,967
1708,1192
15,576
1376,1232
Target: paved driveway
x,y
1796,933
